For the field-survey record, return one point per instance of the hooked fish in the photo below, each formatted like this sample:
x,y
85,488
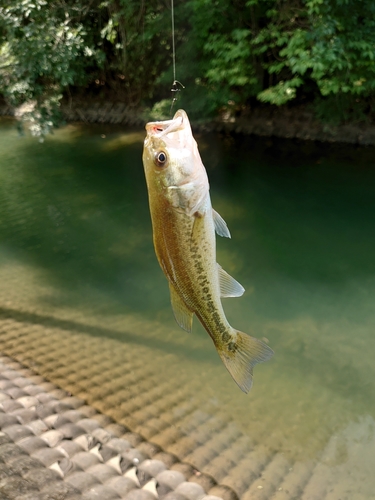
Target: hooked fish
x,y
184,225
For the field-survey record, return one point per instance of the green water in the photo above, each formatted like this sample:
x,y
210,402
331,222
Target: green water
x,y
75,242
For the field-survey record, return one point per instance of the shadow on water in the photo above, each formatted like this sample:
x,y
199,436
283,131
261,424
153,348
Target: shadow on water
x,y
122,336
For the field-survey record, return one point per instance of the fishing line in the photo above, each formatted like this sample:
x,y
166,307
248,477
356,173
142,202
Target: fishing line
x,y
174,88
173,44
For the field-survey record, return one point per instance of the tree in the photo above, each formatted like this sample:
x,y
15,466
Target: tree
x,y
278,50
45,47
229,53
332,48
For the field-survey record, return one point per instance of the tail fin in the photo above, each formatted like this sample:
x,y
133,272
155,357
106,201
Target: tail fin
x,y
242,355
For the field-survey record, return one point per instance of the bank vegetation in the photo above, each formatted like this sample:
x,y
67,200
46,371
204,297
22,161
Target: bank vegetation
x,y
232,56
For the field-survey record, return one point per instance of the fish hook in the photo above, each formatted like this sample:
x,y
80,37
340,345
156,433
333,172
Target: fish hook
x,y
175,89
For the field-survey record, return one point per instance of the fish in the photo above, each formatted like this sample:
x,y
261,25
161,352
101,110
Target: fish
x,y
184,226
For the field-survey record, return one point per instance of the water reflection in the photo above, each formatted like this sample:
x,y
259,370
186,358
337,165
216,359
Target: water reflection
x,y
83,301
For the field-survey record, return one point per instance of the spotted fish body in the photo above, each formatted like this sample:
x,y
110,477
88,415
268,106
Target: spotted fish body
x,y
184,225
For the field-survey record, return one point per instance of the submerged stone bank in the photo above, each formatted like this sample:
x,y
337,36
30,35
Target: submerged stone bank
x,y
292,123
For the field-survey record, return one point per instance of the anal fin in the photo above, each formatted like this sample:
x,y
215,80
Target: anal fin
x,y
182,314
229,287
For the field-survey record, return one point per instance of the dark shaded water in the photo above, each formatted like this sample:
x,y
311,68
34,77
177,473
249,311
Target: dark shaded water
x,y
75,242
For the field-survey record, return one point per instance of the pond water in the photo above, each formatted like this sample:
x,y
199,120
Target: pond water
x,y
83,302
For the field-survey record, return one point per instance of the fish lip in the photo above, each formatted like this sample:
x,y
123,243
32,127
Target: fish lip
x,y
162,128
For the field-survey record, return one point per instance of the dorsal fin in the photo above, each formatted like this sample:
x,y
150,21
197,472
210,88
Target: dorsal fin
x,y
229,287
182,314
220,225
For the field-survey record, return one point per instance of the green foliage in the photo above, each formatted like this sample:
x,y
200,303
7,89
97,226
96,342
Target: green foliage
x,y
278,50
228,55
327,45
223,60
281,93
49,47
44,48
137,41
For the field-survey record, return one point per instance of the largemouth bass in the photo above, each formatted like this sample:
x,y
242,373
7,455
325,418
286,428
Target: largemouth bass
x,y
184,225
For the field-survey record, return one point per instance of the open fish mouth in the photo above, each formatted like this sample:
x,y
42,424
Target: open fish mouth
x,y
162,128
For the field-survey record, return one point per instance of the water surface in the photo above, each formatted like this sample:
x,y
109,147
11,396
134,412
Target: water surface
x,y
78,272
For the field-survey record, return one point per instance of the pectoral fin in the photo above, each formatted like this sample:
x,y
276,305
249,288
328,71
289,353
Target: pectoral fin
x,y
220,225
229,287
182,314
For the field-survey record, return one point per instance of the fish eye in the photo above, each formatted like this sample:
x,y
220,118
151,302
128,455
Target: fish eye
x,y
161,158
